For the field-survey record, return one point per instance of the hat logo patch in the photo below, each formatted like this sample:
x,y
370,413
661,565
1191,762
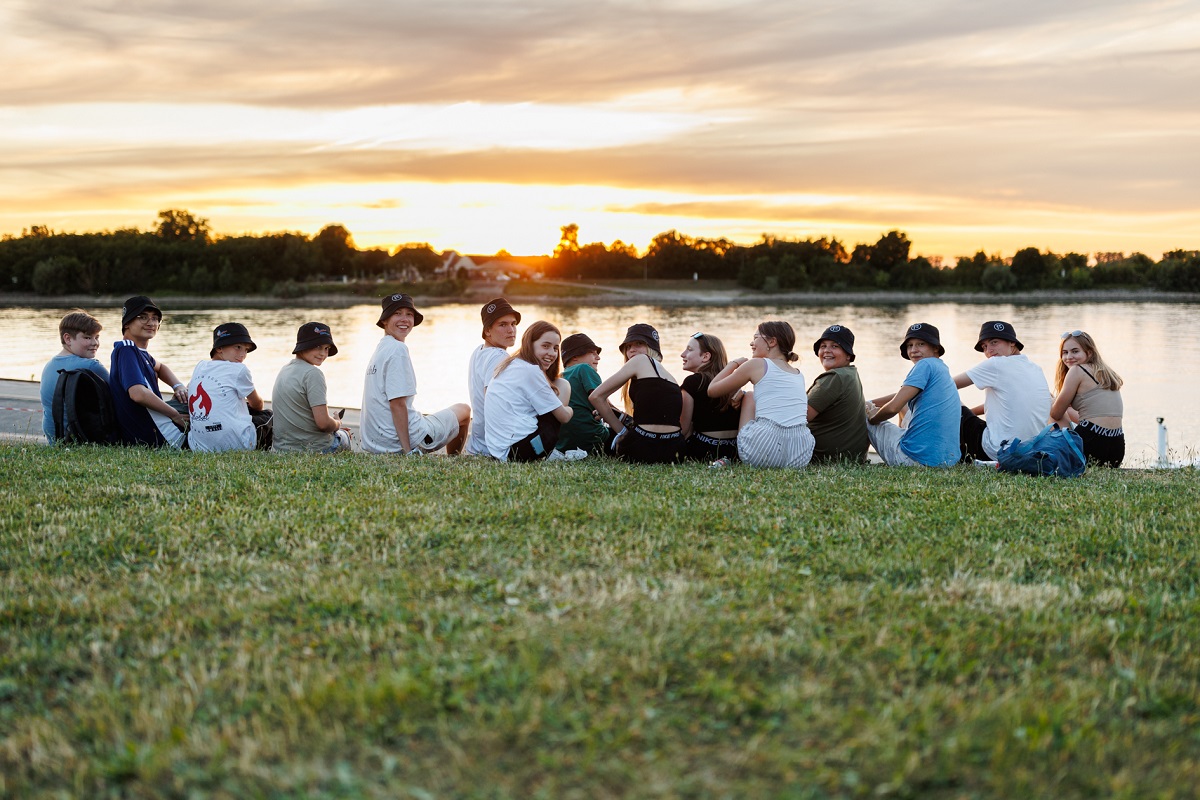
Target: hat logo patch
x,y
835,328
999,326
396,297
655,335
916,326
491,307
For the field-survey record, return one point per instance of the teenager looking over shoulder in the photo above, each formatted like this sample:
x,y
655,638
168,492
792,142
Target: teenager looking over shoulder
x,y
142,415
79,335
709,424
389,421
652,400
835,401
931,437
1016,398
774,417
580,357
500,321
1092,389
226,410
302,422
527,401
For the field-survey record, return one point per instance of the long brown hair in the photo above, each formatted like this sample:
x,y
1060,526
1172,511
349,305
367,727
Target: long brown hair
x,y
784,336
1103,373
716,362
534,332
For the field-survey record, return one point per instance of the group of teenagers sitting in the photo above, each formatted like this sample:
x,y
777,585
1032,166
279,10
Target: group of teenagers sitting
x,y
548,401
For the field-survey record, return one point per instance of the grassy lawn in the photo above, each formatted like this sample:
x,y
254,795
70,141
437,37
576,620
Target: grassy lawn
x,y
251,625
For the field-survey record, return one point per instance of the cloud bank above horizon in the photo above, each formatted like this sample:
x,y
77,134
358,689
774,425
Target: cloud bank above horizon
x,y
483,125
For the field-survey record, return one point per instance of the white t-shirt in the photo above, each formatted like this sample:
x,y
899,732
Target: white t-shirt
x,y
389,375
1016,399
217,405
480,372
515,398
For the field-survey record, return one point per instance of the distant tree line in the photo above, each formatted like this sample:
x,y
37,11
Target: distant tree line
x,y
775,264
182,255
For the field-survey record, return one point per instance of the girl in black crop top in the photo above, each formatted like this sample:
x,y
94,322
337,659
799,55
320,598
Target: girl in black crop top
x,y
710,424
656,403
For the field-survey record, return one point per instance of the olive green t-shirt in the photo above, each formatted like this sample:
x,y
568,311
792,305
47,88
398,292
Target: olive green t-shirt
x,y
840,426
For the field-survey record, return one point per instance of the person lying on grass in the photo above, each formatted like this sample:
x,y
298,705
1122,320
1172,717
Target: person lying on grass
x,y
226,410
930,436
652,400
835,400
773,426
527,402
302,422
390,422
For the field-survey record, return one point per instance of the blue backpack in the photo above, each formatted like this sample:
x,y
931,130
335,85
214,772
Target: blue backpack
x,y
1054,451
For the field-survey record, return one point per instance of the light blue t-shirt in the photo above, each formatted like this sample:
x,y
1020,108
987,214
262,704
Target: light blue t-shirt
x,y
932,436
50,380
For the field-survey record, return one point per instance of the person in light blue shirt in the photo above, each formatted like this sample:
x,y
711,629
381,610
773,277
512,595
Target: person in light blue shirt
x,y
931,435
79,334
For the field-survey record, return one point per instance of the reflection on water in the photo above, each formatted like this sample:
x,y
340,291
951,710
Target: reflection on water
x,y
1152,345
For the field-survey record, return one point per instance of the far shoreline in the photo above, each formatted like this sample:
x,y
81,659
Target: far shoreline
x,y
601,295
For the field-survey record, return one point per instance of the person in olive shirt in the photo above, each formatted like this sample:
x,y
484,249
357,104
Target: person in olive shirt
x,y
835,401
583,431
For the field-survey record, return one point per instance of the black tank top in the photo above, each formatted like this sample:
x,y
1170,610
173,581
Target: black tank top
x,y
656,401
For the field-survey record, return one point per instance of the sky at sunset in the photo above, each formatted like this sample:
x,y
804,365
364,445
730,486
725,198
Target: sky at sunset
x,y
483,124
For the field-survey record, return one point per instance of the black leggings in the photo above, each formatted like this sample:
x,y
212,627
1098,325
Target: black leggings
x,y
707,449
645,447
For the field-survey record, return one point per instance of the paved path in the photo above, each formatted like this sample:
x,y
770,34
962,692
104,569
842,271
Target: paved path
x,y
21,412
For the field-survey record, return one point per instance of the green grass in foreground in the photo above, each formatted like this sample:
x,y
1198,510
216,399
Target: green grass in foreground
x,y
251,625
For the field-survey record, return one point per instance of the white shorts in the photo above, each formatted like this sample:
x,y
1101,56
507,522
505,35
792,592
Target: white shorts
x,y
435,430
885,438
764,443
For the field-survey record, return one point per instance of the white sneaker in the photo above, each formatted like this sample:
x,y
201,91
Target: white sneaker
x,y
556,455
575,455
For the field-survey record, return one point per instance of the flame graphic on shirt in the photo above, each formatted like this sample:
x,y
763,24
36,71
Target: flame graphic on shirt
x,y
200,402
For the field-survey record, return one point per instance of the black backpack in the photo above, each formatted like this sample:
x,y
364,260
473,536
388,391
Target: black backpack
x,y
83,409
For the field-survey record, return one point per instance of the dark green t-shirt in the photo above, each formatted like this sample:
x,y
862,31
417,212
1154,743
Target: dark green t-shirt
x,y
840,427
582,431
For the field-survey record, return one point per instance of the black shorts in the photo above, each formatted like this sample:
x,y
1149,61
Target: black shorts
x,y
707,449
1102,446
970,436
645,447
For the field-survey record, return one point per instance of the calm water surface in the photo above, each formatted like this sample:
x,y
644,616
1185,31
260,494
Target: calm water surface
x,y
1154,346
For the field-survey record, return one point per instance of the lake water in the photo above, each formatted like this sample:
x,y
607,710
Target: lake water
x,y
1152,345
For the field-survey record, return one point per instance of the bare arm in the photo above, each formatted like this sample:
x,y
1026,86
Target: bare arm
x,y
254,402
148,398
323,420
165,375
399,408
599,396
962,381
685,416
893,406
735,375
1058,409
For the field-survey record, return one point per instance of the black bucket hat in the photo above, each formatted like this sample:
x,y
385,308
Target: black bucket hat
x,y
840,334
228,333
641,332
494,310
926,333
136,305
314,334
576,345
393,303
996,329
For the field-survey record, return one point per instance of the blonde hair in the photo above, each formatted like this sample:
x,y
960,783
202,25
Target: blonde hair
x,y
1105,376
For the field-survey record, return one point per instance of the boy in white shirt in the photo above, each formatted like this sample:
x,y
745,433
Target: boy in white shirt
x,y
389,422
226,410
1016,398
500,323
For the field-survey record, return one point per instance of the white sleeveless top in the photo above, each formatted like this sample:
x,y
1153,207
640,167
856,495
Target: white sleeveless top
x,y
781,397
